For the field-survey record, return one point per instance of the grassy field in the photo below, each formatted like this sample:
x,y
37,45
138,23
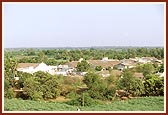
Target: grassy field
x,y
139,104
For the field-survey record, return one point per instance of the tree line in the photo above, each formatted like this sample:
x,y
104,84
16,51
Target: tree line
x,y
60,56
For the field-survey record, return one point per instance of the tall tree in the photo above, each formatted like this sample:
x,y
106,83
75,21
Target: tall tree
x,y
83,66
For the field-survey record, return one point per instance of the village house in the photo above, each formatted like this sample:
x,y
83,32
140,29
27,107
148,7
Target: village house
x,y
105,63
144,60
34,67
27,67
126,64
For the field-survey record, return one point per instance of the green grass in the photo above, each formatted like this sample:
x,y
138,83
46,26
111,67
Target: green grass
x,y
139,104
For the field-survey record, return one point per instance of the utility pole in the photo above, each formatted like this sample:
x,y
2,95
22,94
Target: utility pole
x,y
83,103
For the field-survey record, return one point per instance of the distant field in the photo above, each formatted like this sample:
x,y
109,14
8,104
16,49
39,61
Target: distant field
x,y
139,104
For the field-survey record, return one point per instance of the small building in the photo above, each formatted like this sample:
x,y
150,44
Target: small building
x,y
35,67
64,73
105,59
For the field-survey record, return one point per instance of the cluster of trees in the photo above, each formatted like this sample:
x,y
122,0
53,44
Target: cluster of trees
x,y
51,56
40,85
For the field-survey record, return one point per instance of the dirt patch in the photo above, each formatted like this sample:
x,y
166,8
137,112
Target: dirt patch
x,y
60,99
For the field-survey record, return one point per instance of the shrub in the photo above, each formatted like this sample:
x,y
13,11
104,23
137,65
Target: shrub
x,y
98,68
99,88
72,95
154,85
83,100
37,96
6,85
131,84
9,93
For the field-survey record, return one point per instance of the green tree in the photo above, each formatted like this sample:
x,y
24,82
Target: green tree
x,y
148,69
10,66
31,87
154,85
131,84
48,85
83,66
98,88
9,93
51,88
42,57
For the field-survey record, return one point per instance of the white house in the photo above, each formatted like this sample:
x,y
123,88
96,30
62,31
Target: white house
x,y
34,67
53,70
27,67
105,59
42,67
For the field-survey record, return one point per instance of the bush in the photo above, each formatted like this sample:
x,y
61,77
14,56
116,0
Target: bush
x,y
110,93
98,68
99,88
154,85
9,93
83,100
131,84
72,95
37,96
6,85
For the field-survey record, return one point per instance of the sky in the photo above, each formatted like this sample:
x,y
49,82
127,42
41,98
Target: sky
x,y
83,25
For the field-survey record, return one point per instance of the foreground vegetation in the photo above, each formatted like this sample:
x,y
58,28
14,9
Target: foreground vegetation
x,y
139,104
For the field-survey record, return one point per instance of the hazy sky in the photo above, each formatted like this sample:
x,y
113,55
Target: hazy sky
x,y
83,25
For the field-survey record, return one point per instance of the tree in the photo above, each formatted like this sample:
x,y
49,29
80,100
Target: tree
x,y
154,85
48,85
129,83
42,57
148,69
10,66
83,66
51,88
91,78
98,88
31,88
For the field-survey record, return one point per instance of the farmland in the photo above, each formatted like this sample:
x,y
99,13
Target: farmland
x,y
139,104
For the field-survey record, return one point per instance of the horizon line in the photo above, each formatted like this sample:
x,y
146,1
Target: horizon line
x,y
79,47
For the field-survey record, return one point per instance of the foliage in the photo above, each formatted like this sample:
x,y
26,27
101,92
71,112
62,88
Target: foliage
x,y
72,95
89,53
41,85
30,87
6,84
148,69
98,68
131,84
138,104
161,68
99,88
83,66
10,65
154,85
83,100
9,93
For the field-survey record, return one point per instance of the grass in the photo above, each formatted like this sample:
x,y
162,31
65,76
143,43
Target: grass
x,y
139,104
